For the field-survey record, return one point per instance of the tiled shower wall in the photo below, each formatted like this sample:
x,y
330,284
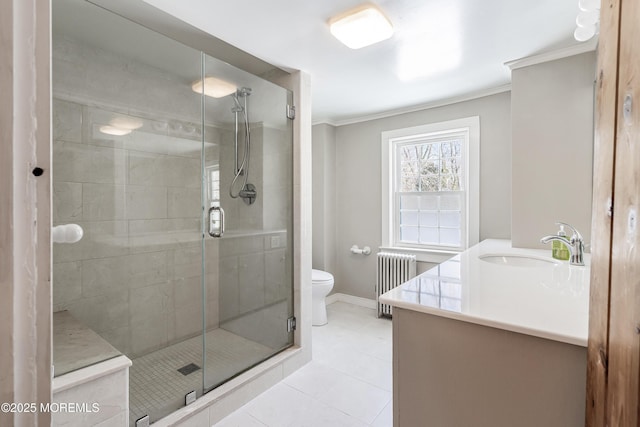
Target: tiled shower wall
x,y
271,173
255,264
135,277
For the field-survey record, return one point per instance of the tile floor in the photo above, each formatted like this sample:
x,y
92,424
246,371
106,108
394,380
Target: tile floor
x,y
348,383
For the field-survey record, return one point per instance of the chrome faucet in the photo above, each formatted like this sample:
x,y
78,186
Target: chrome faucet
x,y
575,244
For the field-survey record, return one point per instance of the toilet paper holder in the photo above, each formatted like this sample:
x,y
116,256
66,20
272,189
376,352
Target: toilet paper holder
x,y
364,251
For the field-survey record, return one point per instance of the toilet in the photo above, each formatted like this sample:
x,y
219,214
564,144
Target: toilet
x,y
322,283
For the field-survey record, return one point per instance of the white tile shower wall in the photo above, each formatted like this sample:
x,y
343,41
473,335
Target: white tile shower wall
x,y
254,284
253,273
255,291
135,276
266,325
269,170
97,77
278,180
243,388
241,216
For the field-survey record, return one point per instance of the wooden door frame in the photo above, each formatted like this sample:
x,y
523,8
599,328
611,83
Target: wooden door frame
x,y
614,320
25,211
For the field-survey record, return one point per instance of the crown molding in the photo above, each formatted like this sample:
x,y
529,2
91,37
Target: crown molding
x,y
577,49
420,107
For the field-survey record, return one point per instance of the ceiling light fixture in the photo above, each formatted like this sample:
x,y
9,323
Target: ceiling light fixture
x,y
588,20
214,87
360,27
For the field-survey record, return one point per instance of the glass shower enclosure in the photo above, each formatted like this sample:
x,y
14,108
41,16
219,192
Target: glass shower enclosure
x,y
178,167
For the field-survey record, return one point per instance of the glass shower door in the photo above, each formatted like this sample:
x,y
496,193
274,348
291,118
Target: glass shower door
x,y
248,266
151,169
127,162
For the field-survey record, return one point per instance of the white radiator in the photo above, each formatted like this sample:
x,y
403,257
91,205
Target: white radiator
x,y
393,270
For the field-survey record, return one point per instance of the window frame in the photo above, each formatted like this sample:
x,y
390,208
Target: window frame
x,y
211,172
390,140
429,138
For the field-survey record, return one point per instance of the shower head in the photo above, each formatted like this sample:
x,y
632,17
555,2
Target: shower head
x,y
243,91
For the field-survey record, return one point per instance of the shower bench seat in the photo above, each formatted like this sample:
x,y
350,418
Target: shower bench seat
x,y
91,385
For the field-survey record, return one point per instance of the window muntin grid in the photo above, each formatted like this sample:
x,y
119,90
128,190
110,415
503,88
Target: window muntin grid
x,y
429,189
213,184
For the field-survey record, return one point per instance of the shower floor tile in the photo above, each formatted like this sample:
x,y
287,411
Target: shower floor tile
x,y
157,388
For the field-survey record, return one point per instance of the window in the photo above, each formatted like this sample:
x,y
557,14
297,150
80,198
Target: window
x,y
430,186
213,181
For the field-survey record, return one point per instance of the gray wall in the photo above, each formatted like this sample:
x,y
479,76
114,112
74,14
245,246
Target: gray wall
x,y
324,171
552,116
358,184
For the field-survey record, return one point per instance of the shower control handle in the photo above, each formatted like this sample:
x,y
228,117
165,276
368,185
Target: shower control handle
x,y
216,221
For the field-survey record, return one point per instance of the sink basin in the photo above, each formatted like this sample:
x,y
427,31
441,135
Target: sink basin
x,y
518,260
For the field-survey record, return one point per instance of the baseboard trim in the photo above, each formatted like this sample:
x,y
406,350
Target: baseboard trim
x,y
362,302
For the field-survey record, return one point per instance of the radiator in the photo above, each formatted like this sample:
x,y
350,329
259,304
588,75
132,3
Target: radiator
x,y
393,270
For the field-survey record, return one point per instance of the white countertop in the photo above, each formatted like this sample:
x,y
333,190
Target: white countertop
x,y
550,301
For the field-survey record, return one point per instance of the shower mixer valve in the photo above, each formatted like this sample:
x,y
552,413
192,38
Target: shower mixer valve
x,y
248,194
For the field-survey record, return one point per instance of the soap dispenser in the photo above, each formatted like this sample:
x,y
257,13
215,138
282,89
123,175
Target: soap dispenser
x,y
559,250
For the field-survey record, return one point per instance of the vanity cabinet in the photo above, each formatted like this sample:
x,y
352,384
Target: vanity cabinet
x,y
494,337
448,373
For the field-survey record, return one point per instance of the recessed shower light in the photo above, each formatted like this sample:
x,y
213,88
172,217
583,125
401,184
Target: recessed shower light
x,y
123,122
361,26
112,130
214,87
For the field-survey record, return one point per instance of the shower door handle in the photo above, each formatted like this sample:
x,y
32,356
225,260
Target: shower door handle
x,y
216,221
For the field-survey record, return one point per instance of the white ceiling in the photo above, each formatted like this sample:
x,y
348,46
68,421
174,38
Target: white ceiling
x,y
440,49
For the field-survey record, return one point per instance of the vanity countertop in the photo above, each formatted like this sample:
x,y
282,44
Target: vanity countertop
x,y
550,300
